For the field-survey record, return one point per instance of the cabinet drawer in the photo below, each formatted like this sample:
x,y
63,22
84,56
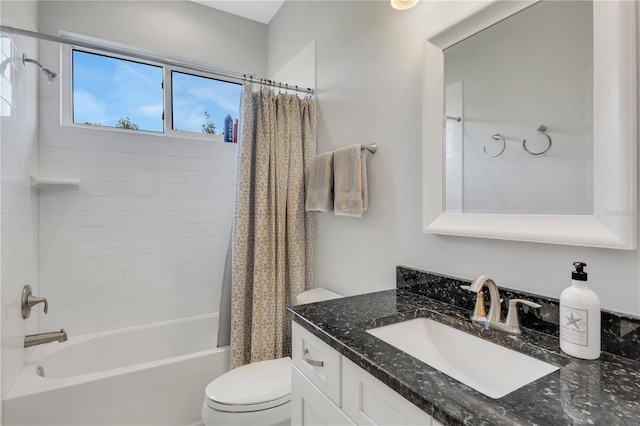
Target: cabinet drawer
x,y
310,407
317,361
368,401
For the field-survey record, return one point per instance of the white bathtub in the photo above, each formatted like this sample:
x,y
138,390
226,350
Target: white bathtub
x,y
147,375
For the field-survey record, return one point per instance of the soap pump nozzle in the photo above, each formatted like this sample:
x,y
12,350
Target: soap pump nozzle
x,y
579,273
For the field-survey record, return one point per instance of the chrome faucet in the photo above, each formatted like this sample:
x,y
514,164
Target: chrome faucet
x,y
479,315
494,319
40,338
512,323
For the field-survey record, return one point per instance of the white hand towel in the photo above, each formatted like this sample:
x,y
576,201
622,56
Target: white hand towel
x,y
350,181
320,189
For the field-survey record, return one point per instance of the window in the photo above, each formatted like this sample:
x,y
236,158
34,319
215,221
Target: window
x,y
117,92
124,93
201,104
7,78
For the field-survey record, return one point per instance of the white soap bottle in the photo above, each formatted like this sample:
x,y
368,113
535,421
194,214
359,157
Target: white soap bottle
x,y
580,317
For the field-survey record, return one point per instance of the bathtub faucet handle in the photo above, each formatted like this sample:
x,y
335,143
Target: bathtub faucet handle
x,y
29,301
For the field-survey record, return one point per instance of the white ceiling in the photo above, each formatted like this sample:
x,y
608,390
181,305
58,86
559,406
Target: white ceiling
x,y
257,10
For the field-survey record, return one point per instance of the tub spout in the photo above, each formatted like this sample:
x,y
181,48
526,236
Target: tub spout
x,y
38,339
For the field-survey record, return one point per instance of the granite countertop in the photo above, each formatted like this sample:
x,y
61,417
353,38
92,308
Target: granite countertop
x,y
601,392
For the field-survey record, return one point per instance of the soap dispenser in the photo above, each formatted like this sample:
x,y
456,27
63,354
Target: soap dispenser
x,y
580,317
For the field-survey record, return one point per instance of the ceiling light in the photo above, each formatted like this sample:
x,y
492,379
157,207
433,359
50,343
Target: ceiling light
x,y
403,4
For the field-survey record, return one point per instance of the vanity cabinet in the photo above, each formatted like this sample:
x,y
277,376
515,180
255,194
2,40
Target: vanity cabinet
x,y
329,389
310,406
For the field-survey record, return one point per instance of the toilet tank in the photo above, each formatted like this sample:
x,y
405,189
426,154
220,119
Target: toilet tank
x,y
316,295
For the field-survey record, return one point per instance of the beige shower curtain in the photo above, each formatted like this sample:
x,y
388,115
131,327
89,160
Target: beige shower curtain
x,y
273,242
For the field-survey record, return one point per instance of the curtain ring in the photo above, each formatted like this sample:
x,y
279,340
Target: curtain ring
x,y
496,138
543,131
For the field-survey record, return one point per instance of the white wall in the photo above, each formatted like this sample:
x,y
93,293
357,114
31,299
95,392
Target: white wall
x,y
145,237
369,81
173,27
19,202
300,70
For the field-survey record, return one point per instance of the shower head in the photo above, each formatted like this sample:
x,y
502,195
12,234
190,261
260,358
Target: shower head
x,y
51,76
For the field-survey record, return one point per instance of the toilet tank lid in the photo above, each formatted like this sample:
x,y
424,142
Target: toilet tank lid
x,y
252,384
316,295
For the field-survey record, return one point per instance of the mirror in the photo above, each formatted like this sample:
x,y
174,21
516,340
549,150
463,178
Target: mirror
x,y
574,179
501,84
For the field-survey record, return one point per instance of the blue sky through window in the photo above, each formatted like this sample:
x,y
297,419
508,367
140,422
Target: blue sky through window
x,y
193,95
107,89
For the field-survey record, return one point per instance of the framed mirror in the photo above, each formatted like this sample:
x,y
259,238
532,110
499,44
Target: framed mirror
x,y
531,142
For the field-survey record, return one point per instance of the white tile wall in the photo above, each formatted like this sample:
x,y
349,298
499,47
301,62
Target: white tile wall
x,y
19,152
145,236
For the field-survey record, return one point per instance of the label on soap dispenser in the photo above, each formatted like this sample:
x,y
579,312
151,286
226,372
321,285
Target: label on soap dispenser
x,y
573,324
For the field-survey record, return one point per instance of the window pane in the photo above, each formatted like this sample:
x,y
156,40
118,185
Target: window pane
x,y
116,92
201,104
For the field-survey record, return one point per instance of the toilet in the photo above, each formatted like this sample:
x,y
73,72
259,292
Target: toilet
x,y
258,393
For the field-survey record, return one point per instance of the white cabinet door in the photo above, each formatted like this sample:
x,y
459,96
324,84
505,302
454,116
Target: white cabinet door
x,y
318,361
368,401
328,389
310,407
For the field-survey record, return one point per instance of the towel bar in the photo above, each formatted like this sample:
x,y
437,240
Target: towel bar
x,y
372,148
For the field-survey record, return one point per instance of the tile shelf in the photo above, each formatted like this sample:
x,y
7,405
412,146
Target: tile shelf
x,y
54,183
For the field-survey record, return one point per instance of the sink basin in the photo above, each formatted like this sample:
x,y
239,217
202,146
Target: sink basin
x,y
486,367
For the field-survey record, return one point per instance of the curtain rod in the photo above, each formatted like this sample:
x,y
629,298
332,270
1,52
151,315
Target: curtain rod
x,y
231,76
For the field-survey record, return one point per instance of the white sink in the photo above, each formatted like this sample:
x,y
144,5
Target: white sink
x,y
486,367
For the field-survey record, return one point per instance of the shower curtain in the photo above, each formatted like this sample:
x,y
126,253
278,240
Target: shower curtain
x,y
273,238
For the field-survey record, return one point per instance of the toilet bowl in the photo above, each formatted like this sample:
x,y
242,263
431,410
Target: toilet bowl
x,y
258,393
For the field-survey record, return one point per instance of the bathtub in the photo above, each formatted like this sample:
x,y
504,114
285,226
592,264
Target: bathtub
x,y
146,375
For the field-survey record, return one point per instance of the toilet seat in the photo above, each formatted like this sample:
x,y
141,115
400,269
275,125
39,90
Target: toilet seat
x,y
252,387
255,394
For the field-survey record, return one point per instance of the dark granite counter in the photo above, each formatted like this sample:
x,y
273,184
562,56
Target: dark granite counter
x,y
601,392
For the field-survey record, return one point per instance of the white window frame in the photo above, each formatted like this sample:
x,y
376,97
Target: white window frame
x,y
66,89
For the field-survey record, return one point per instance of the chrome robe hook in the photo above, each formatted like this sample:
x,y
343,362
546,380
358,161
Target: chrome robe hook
x,y
543,131
496,138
